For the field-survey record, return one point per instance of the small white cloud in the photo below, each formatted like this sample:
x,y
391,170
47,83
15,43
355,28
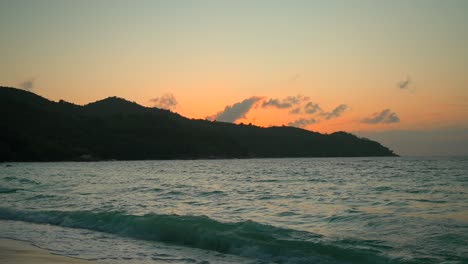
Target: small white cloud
x,y
236,111
405,84
335,112
167,101
302,122
385,117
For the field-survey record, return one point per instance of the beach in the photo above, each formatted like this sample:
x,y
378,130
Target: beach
x,y
19,252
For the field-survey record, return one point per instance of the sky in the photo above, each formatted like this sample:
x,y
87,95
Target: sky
x,y
392,71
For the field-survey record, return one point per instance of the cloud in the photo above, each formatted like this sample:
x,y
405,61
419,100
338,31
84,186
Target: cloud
x,y
335,112
302,122
236,111
298,105
276,103
311,108
295,111
167,101
287,102
385,117
27,85
405,85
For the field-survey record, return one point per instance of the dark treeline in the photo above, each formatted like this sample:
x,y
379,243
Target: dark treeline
x,y
36,129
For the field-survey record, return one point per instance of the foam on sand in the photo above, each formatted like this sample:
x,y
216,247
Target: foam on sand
x,y
18,252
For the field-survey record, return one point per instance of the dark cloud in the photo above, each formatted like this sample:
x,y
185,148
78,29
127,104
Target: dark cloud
x,y
236,111
166,101
302,122
287,102
297,99
335,112
385,117
311,108
276,103
405,85
27,85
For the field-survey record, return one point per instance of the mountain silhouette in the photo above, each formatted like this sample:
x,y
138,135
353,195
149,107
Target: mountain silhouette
x,y
36,129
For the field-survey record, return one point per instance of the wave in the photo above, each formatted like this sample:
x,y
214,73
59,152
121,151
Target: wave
x,y
20,180
42,196
247,238
9,190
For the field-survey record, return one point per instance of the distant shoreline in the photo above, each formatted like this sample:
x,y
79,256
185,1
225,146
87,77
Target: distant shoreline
x,y
195,159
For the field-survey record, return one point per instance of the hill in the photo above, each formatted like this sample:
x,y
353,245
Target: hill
x,y
36,129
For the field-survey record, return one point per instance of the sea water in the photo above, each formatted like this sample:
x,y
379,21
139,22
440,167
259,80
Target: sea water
x,y
311,210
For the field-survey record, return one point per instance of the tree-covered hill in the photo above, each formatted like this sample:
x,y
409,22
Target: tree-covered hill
x,y
33,128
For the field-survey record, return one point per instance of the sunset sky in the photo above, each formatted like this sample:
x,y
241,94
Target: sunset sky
x,y
392,71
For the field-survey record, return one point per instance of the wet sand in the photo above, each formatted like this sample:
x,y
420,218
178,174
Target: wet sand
x,y
19,252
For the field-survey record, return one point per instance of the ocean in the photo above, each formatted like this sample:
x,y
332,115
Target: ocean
x,y
298,210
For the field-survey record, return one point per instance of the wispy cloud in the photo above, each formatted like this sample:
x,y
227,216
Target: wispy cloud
x,y
405,84
302,122
305,111
385,117
27,85
311,108
295,111
335,112
287,102
277,103
166,101
236,111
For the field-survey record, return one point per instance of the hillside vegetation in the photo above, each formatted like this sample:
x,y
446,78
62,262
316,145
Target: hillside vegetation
x,y
36,129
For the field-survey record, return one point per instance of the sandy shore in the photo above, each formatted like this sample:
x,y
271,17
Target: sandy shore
x,y
18,252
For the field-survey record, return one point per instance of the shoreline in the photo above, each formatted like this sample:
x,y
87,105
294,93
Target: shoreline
x,y
20,252
7,162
